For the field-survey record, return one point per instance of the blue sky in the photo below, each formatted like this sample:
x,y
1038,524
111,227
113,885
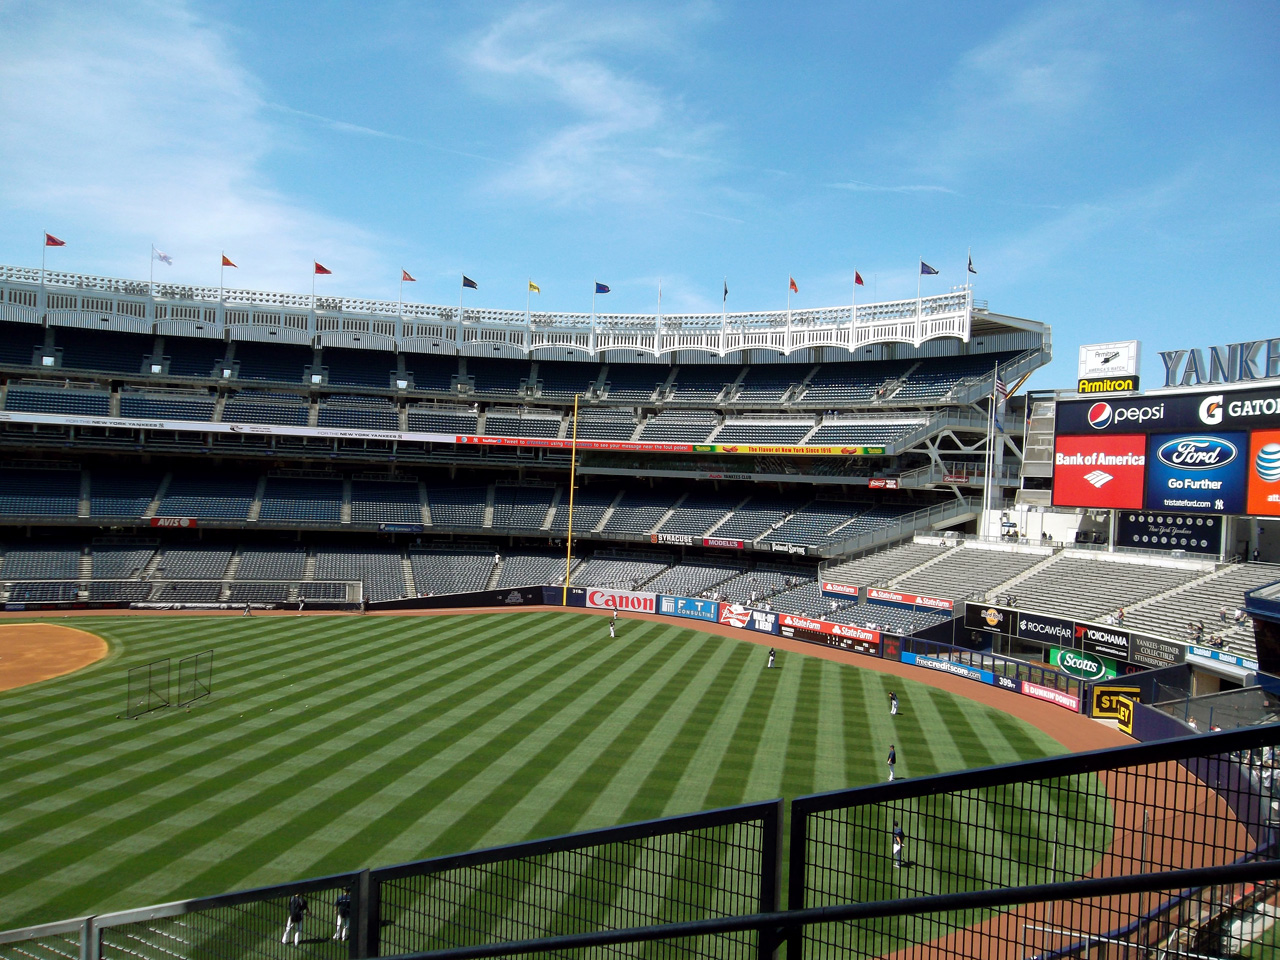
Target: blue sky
x,y
1113,165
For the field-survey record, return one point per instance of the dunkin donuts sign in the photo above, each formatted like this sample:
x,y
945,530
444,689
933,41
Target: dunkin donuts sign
x,y
622,600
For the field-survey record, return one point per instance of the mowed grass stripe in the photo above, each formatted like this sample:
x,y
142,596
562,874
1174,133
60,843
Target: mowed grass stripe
x,y
523,720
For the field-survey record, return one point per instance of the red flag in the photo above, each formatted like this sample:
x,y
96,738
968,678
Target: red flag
x,y
405,278
857,278
51,241
794,288
226,262
320,271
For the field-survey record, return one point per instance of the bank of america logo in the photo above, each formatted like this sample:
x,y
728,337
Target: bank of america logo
x,y
1099,478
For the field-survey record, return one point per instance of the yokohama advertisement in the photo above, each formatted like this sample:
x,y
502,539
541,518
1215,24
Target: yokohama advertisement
x,y
1100,471
604,599
909,599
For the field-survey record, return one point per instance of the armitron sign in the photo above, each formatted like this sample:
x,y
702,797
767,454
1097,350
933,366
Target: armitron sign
x,y
1106,384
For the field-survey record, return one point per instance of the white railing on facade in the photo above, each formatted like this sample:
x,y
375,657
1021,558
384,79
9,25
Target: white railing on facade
x,y
28,295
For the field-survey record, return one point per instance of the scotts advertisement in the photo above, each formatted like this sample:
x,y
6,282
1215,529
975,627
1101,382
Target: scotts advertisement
x,y
1169,531
1099,471
745,618
908,599
842,635
1104,640
986,616
1082,664
690,607
605,599
1264,473
1190,412
1197,472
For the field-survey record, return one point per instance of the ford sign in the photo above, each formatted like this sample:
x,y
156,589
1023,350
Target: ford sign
x,y
1197,453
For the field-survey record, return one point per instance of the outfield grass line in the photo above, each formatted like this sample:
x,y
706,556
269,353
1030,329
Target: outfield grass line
x,y
762,777
730,781
831,769
800,757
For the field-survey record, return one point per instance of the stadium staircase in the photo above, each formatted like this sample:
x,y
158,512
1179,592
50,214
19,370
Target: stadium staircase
x,y
667,515
604,517
487,523
154,506
494,574
1006,587
82,507
556,496
895,580
255,508
410,588
425,501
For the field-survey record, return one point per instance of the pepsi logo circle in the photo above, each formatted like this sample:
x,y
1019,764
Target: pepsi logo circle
x,y
1100,415
1267,463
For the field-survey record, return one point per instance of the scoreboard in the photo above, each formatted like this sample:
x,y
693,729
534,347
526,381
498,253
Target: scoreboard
x,y
1195,453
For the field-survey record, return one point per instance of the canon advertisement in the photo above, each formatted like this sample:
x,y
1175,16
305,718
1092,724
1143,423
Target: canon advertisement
x,y
605,599
1169,531
1099,471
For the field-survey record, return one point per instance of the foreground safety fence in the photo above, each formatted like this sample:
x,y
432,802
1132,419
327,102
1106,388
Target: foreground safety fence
x,y
1167,847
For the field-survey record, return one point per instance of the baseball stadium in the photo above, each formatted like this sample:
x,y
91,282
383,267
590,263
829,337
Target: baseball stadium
x,y
353,628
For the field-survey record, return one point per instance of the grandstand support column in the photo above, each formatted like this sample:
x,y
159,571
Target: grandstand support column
x,y
573,468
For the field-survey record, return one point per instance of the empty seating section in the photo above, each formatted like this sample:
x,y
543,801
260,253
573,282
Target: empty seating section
x,y
54,399
255,407
637,512
611,571
768,384
757,516
193,563
263,563
514,425
637,384
40,492
763,582
125,494
370,413
191,357
292,498
895,619
690,579
41,563
499,378
451,571
130,591
935,378
1202,601
687,426
589,505
430,372
603,423
967,572
323,591
165,407
523,508
863,432
120,562
873,519
702,383
381,570
187,593
851,383
258,592
698,512
100,350
443,420
883,566
763,431
18,343
359,368
815,522
806,599
374,501
457,506
281,362
563,381
530,569
222,497
1088,588
47,592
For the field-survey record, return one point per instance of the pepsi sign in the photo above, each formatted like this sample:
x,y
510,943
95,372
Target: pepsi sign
x,y
1102,414
1198,473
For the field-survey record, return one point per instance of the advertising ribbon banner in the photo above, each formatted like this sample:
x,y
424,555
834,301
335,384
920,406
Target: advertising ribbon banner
x,y
690,607
833,589
909,599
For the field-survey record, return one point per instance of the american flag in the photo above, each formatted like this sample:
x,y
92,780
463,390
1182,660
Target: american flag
x,y
1001,390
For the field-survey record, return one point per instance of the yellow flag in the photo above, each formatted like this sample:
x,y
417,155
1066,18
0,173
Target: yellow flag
x,y
534,288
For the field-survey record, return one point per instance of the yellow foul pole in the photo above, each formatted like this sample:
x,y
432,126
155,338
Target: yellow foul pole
x,y
573,465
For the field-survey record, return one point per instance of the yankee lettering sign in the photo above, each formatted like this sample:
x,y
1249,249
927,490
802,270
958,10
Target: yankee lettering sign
x,y
1230,363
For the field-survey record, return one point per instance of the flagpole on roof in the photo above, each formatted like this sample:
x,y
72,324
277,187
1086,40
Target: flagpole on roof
x,y
919,274
152,280
595,285
724,317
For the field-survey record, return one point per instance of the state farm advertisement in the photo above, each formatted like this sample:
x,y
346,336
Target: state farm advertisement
x,y
1264,473
603,599
1106,470
908,599
840,635
832,589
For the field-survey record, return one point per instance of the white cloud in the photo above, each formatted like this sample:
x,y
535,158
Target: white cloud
x,y
863,187
132,124
593,132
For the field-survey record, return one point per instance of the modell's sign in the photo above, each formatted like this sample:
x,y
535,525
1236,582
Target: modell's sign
x,y
621,600
173,522
908,599
721,542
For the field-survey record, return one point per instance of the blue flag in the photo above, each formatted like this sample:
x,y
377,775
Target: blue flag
x,y
926,270
601,288
468,282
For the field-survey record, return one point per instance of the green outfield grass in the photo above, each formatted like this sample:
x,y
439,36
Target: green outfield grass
x,y
333,743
